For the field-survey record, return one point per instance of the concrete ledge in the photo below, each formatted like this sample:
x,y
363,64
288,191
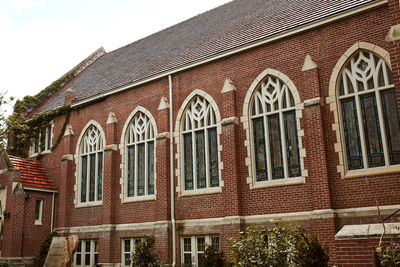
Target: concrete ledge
x,y
67,157
17,261
367,231
112,147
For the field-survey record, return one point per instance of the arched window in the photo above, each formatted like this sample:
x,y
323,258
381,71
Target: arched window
x,y
199,145
368,112
91,166
139,156
273,127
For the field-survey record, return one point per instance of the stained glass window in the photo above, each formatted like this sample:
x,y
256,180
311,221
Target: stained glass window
x,y
369,112
140,170
200,145
91,165
274,128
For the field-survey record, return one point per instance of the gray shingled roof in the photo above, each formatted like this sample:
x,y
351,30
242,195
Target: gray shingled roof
x,y
226,27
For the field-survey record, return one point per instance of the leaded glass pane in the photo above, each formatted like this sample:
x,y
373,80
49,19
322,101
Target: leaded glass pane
x,y
200,160
292,147
187,244
372,131
213,157
92,176
150,171
100,176
275,147
141,169
83,178
188,161
392,125
131,171
259,147
215,241
351,133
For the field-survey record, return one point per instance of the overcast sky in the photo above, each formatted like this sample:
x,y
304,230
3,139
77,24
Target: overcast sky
x,y
43,39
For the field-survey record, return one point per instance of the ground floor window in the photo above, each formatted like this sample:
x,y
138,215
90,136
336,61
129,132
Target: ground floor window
x,y
87,253
128,245
193,247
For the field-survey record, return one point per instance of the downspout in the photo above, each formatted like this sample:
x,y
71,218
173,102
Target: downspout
x,y
52,213
171,171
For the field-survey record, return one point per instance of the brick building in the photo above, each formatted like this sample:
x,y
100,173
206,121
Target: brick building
x,y
253,111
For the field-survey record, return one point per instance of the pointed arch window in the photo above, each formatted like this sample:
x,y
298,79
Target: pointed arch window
x,y
200,145
369,112
140,157
91,166
273,127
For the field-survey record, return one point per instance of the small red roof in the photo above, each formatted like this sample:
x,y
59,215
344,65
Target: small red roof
x,y
32,173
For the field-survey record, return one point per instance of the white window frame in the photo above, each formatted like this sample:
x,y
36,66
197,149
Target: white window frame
x,y
178,135
247,120
99,147
48,142
128,129
38,221
194,247
337,126
132,245
93,252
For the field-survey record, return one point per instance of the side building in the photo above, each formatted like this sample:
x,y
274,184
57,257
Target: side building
x,y
250,112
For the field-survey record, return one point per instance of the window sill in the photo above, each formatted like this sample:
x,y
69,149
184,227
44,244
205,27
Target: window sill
x,y
38,223
372,171
205,191
89,204
43,153
281,182
138,199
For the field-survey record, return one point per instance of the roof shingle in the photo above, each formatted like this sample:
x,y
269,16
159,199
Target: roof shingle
x,y
226,27
32,173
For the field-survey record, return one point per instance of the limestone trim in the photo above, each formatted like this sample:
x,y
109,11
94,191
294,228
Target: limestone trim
x,y
232,220
246,120
124,157
332,100
228,86
309,64
111,118
164,104
67,157
179,145
393,34
229,121
77,203
367,231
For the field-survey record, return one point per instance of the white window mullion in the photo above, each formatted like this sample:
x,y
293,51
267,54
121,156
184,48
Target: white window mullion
x,y
362,132
267,146
283,146
383,128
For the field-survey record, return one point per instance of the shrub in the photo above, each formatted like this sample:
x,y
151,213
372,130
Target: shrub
x,y
144,255
213,257
281,245
44,249
389,256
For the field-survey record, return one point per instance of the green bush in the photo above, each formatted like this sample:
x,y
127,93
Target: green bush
x,y
389,255
44,249
144,255
278,246
213,257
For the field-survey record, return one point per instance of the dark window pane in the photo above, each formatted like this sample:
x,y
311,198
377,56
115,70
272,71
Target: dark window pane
x,y
275,147
87,246
37,209
213,157
187,245
200,160
92,177
127,259
392,125
188,161
150,171
131,171
372,131
48,138
83,178
79,249
36,145
96,258
100,176
201,244
201,260
87,259
188,259
215,241
78,259
141,169
292,147
259,147
351,134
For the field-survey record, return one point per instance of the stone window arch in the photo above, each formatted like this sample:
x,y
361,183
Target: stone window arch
x,y
197,134
138,150
366,118
271,114
90,162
